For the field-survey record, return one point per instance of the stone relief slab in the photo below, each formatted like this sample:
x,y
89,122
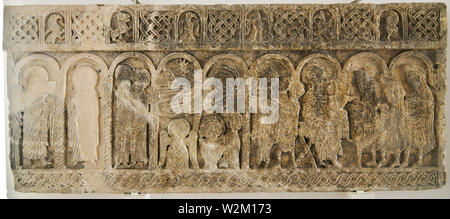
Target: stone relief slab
x,y
361,98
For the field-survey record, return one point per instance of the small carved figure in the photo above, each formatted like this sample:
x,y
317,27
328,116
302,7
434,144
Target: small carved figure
x,y
55,29
418,113
212,129
392,21
178,146
189,28
121,28
254,30
232,142
391,139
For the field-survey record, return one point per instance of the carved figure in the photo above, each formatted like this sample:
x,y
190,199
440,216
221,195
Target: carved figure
x,y
418,113
55,29
325,122
37,103
190,28
391,139
232,142
392,21
212,129
122,26
130,127
178,146
254,31
365,121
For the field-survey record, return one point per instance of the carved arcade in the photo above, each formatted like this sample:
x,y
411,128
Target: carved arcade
x,y
88,116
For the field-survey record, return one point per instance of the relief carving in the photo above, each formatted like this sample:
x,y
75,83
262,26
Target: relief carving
x,y
282,134
324,121
354,98
391,25
190,28
55,32
84,89
131,129
412,72
177,145
33,113
290,25
257,26
122,26
324,25
366,72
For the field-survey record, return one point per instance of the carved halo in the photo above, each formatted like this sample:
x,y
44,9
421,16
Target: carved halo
x,y
419,59
258,68
369,62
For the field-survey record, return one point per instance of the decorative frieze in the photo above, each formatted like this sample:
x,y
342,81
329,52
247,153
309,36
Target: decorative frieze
x,y
92,91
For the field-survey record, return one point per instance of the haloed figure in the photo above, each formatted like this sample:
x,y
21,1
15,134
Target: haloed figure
x,y
36,118
364,119
418,113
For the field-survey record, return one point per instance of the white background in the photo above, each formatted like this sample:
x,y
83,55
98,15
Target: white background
x,y
4,182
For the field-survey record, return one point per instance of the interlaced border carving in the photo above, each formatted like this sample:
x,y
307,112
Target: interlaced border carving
x,y
156,26
87,26
290,25
223,25
24,29
358,24
423,25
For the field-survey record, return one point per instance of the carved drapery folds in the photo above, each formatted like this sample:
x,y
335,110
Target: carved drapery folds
x,y
91,94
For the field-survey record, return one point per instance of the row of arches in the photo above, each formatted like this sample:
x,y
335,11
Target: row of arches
x,y
81,80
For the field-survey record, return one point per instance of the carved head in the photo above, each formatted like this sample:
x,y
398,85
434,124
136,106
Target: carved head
x,y
414,76
254,17
178,128
316,74
123,18
392,18
191,17
35,79
212,127
235,121
362,82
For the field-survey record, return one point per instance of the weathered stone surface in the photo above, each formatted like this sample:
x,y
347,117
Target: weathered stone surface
x,y
361,98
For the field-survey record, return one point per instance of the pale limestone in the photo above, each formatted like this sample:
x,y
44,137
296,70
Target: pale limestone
x,y
362,92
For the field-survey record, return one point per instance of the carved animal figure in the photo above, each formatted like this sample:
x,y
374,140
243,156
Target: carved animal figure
x,y
178,146
55,30
122,27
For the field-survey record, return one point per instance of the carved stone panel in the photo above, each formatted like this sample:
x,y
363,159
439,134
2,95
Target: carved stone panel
x,y
229,98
